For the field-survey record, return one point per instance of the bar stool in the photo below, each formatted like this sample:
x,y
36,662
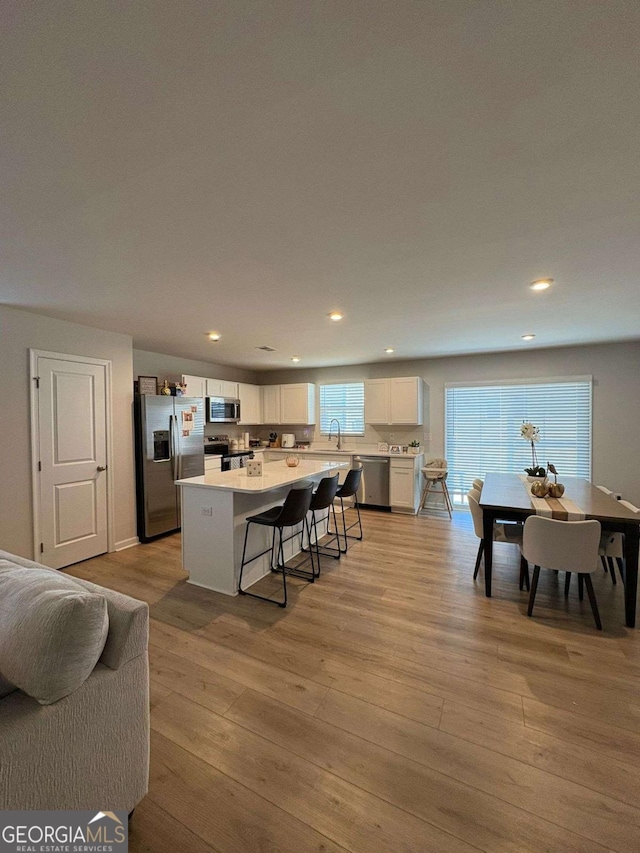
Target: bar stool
x,y
323,499
349,490
435,473
292,512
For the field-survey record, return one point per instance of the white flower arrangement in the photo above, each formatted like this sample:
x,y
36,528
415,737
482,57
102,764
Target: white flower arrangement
x,y
531,433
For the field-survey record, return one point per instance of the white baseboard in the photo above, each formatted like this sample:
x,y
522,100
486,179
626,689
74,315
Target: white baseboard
x,y
127,543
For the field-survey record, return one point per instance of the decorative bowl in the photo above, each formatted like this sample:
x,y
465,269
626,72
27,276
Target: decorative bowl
x,y
531,479
292,460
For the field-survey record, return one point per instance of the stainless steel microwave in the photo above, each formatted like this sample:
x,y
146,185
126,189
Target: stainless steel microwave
x,y
223,410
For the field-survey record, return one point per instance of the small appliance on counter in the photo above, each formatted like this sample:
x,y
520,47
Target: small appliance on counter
x,y
288,439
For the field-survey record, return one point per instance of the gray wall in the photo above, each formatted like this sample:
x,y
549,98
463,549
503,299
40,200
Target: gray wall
x,y
172,367
19,332
616,396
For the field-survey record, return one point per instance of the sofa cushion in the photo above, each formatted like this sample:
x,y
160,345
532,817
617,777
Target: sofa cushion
x,y
52,631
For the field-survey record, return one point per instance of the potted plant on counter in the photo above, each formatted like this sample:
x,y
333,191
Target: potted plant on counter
x,y
414,447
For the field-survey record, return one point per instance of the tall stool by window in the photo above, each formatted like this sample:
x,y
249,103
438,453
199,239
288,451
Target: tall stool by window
x,y
435,475
322,499
349,489
292,512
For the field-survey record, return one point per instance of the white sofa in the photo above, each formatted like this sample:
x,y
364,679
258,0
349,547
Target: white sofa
x,y
74,730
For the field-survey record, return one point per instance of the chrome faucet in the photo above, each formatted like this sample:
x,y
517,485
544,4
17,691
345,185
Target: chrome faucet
x,y
339,447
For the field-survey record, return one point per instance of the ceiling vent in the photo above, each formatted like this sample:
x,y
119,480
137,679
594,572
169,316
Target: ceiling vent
x,y
266,349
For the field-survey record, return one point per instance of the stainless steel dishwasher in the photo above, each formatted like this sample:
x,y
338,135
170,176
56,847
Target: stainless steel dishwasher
x,y
374,485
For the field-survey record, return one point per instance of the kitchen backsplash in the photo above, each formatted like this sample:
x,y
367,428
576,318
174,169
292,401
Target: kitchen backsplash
x,y
371,437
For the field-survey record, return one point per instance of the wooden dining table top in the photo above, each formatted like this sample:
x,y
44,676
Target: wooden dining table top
x,y
508,491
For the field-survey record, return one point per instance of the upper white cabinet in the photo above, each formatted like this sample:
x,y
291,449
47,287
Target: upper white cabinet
x,y
196,386
222,388
201,386
271,404
393,401
298,403
289,404
250,403
376,401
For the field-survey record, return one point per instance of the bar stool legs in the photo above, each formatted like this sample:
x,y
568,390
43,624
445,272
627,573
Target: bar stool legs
x,y
280,564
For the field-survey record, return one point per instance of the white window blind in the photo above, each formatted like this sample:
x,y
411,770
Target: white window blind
x,y
344,401
482,429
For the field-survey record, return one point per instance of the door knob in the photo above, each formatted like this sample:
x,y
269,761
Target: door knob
x,y
101,468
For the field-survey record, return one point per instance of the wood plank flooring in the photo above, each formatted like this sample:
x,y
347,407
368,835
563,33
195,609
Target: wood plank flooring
x,y
390,708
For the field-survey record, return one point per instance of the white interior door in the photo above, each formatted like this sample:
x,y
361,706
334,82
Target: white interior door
x,y
71,506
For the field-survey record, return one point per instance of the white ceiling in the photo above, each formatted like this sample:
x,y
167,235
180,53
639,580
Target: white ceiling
x,y
247,166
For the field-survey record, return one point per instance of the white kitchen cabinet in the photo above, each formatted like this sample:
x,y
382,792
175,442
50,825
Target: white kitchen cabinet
x,y
196,386
394,401
406,400
298,403
212,463
289,404
222,388
404,483
271,404
376,401
250,403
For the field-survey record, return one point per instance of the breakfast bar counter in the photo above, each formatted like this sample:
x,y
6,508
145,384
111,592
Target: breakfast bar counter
x,y
214,511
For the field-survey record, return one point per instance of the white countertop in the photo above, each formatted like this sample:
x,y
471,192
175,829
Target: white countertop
x,y
275,475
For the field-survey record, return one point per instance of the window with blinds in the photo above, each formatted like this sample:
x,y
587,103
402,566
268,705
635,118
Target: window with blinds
x,y
344,401
482,428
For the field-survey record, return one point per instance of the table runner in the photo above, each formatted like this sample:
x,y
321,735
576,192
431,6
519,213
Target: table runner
x,y
562,509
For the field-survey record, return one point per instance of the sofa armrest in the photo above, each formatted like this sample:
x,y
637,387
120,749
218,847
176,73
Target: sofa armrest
x,y
128,634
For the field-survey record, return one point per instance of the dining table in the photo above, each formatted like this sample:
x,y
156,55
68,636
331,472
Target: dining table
x,y
507,497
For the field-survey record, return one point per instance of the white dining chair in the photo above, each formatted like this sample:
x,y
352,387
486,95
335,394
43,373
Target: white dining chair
x,y
605,490
612,548
435,474
566,546
502,532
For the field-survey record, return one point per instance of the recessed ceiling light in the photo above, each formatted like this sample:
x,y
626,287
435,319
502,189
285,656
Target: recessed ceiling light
x,y
528,337
214,336
389,349
335,315
295,358
541,284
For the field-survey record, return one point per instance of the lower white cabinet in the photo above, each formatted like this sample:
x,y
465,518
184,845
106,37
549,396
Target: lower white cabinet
x,y
212,463
404,483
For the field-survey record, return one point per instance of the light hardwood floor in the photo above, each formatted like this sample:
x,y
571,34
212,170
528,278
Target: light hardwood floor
x,y
391,706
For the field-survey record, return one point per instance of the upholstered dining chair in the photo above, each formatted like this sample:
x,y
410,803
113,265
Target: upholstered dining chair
x,y
502,532
478,484
612,548
435,481
566,546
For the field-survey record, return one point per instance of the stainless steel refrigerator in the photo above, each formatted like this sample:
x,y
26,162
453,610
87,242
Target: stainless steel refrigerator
x,y
169,447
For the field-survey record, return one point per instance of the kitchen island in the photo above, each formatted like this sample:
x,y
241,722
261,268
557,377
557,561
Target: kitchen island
x,y
214,511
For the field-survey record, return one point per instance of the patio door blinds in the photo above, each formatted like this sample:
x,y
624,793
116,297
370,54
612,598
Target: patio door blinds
x,y
482,428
